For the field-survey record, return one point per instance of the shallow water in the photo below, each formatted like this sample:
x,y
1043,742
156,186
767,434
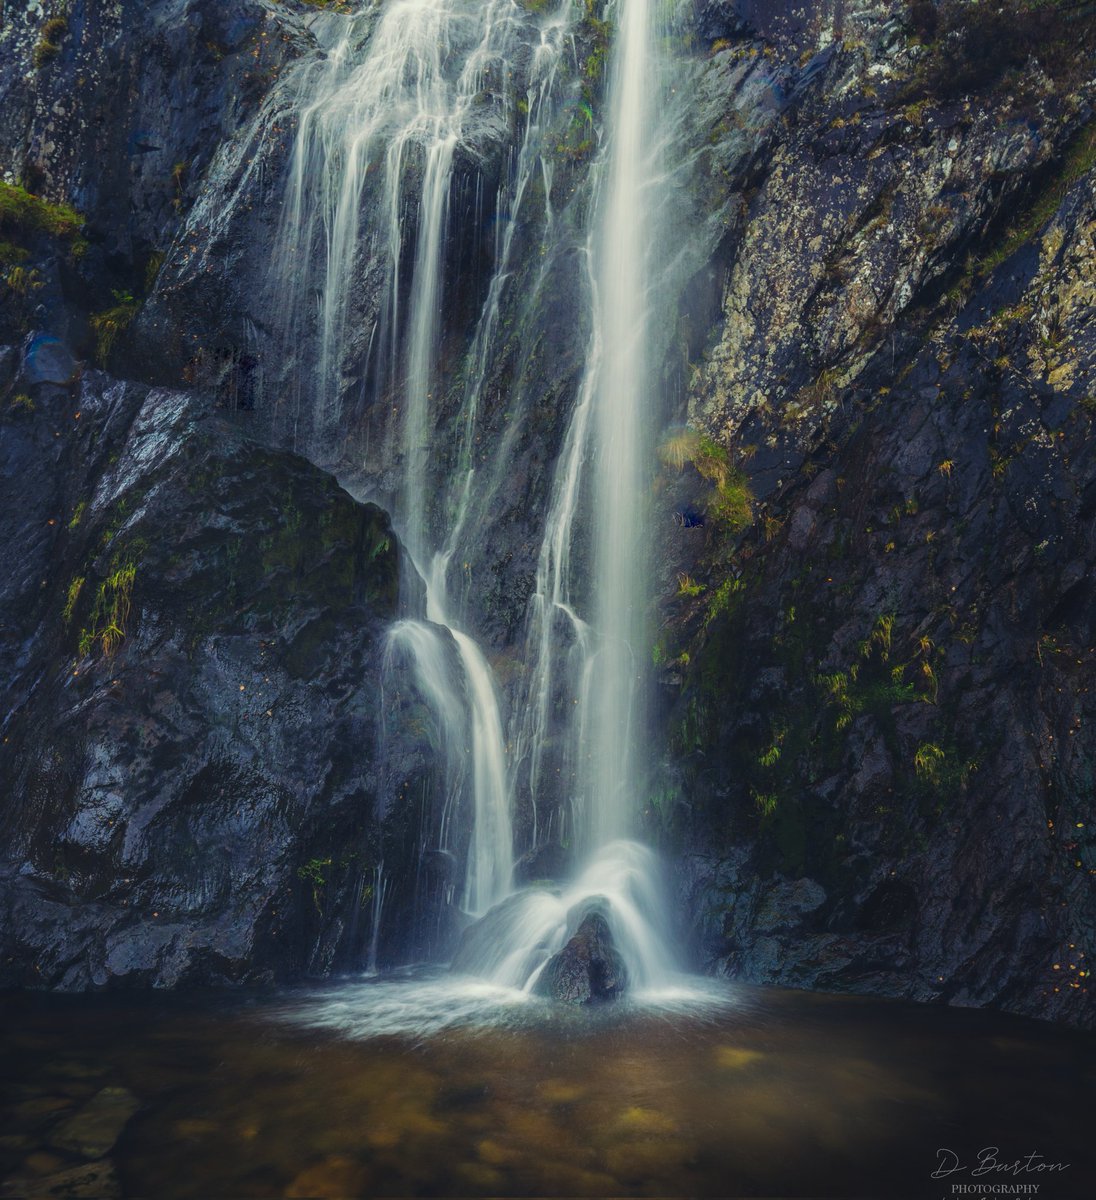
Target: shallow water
x,y
432,1086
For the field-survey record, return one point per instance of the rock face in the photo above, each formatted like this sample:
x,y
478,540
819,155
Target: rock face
x,y
881,687
588,970
121,122
190,673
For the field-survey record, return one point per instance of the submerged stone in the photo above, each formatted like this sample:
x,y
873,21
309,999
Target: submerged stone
x,y
334,1177
93,1131
588,969
93,1181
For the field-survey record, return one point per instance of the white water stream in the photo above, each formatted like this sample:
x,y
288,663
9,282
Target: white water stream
x,y
394,99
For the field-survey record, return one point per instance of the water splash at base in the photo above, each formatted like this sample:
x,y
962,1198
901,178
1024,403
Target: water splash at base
x,y
512,943
427,1002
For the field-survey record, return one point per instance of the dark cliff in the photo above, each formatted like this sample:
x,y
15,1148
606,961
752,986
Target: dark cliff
x,y
880,686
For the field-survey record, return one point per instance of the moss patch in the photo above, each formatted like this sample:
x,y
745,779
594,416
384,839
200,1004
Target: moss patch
x,y
22,212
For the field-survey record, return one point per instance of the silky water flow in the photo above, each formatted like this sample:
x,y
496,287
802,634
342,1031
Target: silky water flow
x,y
405,84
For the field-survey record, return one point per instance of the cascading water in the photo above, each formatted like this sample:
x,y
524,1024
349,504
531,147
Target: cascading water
x,y
403,101
600,660
384,117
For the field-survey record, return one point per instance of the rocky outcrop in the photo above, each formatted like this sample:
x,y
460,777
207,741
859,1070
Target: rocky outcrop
x,y
589,969
120,120
881,689
190,674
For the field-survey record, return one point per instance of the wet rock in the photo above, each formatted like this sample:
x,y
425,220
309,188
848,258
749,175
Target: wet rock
x,y
785,905
208,606
545,862
913,578
47,359
588,969
93,1130
93,1181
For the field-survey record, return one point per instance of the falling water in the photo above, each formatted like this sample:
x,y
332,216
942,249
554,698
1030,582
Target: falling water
x,y
384,118
620,378
402,111
598,502
380,892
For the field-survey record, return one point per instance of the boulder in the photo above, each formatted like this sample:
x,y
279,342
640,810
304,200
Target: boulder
x,y
588,969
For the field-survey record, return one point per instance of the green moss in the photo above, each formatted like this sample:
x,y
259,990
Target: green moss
x,y
152,269
927,760
22,281
49,41
21,402
730,502
11,255
21,212
78,514
1079,159
723,599
314,872
72,596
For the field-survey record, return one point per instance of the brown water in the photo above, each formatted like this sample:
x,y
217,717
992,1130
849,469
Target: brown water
x,y
778,1094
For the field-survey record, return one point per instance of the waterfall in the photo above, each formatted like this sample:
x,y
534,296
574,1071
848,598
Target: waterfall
x,y
599,501
398,98
400,110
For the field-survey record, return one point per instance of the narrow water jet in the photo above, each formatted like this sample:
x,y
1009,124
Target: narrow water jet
x,y
599,501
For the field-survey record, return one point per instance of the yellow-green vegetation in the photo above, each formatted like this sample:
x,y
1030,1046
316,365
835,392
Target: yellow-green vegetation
x,y
723,599
942,770
152,268
12,255
338,6
314,872
770,756
601,33
107,625
22,280
178,179
21,402
73,595
49,41
78,514
109,323
24,213
730,502
927,760
1079,159
578,138
851,694
765,801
